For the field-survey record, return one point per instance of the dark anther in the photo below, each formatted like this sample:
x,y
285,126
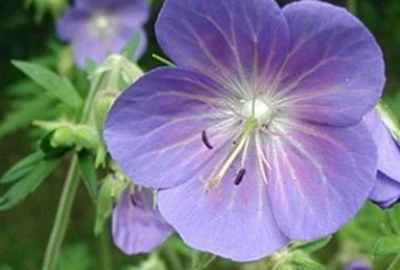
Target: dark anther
x,y
205,140
239,177
133,200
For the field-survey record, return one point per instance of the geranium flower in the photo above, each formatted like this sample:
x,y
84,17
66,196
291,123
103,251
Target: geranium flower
x,y
137,226
256,137
97,28
387,190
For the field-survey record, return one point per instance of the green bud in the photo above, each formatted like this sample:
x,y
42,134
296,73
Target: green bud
x,y
63,136
86,137
110,191
101,107
116,73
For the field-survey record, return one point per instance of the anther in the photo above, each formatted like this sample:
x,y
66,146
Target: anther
x,y
239,177
205,140
133,200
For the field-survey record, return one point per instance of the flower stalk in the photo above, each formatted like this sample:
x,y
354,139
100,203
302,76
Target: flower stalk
x,y
68,196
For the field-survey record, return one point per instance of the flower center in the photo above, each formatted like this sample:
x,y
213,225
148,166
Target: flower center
x,y
101,22
258,109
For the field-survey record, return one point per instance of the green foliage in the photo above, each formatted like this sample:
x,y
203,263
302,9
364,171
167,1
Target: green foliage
x,y
28,104
25,177
111,189
76,258
88,172
387,245
310,247
201,260
59,87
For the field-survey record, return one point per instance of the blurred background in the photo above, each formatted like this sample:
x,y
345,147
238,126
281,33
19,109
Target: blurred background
x,y
27,32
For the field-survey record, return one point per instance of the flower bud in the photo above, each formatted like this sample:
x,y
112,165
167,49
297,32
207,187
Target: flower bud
x,y
63,136
110,191
101,107
85,137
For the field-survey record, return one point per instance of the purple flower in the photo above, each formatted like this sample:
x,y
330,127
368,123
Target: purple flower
x,y
255,138
359,265
387,190
100,27
137,226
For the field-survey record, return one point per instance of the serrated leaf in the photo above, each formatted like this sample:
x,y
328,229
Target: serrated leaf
x,y
23,167
310,247
88,171
59,87
386,245
29,183
24,113
201,260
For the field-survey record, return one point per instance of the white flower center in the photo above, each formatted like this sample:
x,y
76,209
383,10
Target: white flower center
x,y
258,109
101,22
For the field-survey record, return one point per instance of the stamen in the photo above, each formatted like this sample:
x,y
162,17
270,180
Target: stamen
x,y
133,200
239,177
205,140
250,126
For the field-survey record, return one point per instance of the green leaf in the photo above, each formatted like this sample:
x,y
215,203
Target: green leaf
x,y
28,183
24,112
22,168
130,49
201,260
88,171
386,245
76,257
302,261
310,247
59,87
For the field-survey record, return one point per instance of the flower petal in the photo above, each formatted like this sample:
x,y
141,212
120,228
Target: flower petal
x,y
232,221
154,130
232,41
136,225
334,73
321,177
386,192
388,148
72,20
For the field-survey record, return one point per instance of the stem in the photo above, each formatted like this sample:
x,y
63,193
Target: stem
x,y
395,226
62,217
174,259
67,197
104,249
395,265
